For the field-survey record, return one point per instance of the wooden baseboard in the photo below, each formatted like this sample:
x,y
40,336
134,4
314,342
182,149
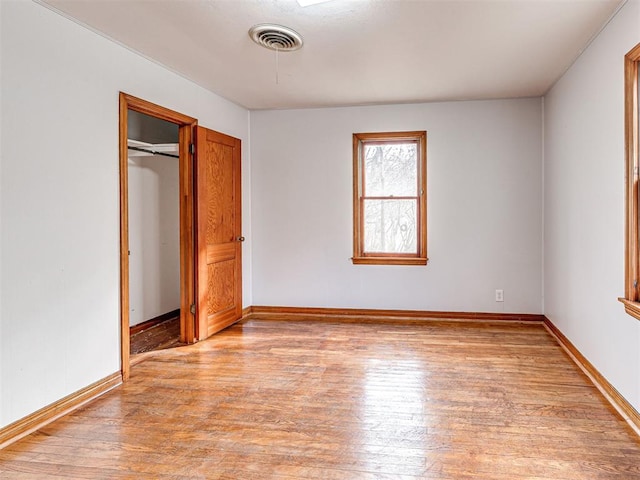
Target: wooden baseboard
x,y
153,322
29,424
619,403
246,312
374,315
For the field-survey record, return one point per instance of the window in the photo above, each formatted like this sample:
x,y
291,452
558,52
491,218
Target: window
x,y
631,299
389,198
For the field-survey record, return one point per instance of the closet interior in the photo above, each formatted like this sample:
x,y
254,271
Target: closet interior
x,y
154,233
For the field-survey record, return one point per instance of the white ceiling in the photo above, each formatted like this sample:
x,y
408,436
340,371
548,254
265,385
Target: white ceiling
x,y
356,51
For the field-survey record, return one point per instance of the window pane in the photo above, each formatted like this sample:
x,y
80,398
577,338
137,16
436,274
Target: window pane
x,y
390,226
391,169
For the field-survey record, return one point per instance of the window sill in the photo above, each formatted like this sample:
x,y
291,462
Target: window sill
x,y
389,261
632,308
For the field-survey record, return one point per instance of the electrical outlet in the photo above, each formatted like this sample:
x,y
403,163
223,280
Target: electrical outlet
x,y
499,295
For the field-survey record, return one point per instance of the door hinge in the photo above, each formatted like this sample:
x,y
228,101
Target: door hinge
x,y
635,284
192,148
192,309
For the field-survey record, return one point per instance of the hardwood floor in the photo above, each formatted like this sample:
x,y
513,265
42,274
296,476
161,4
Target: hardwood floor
x,y
158,337
307,400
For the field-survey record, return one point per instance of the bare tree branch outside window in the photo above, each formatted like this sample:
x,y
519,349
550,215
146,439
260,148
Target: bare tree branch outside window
x,y
390,223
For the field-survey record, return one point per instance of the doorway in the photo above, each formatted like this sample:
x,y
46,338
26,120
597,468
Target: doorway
x,y
185,125
154,233
210,225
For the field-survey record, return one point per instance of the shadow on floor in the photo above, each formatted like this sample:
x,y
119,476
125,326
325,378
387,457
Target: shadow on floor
x,y
159,337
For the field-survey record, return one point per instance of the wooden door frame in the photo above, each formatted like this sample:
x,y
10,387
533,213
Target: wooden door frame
x,y
186,126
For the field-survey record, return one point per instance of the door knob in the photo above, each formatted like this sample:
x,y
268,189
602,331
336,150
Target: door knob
x,y
240,239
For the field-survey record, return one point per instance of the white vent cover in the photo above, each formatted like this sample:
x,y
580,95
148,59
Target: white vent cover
x,y
276,37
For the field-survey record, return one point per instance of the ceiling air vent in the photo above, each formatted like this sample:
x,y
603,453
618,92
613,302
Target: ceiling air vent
x,y
276,37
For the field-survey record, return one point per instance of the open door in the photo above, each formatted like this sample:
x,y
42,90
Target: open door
x,y
218,232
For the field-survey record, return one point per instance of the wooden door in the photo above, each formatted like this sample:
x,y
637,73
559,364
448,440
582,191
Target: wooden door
x,y
218,232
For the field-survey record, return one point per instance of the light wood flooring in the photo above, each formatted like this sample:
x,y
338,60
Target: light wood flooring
x,y
322,400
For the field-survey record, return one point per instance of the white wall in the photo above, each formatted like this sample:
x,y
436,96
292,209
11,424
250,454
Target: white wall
x,y
154,237
484,208
584,206
59,197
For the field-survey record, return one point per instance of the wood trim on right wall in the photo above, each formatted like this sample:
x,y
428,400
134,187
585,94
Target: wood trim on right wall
x,y
617,401
631,298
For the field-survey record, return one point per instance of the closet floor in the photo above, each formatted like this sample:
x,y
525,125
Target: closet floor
x,y
161,336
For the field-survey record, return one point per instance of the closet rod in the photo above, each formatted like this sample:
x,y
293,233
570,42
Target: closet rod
x,y
153,152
